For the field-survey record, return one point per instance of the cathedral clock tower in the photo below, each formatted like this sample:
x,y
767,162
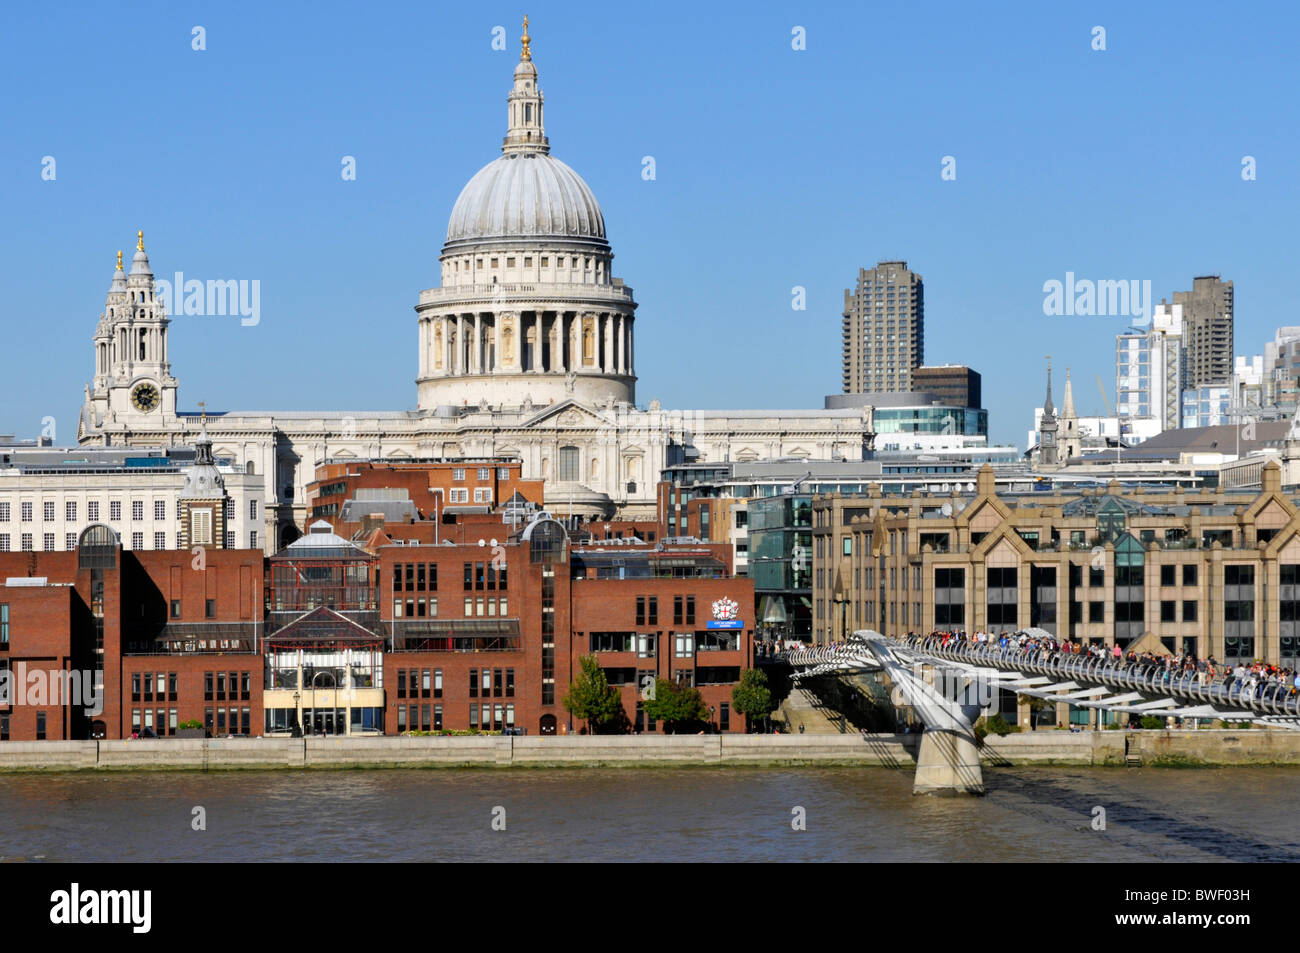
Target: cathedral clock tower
x,y
133,385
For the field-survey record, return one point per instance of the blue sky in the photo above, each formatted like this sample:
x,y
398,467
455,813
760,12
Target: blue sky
x,y
774,168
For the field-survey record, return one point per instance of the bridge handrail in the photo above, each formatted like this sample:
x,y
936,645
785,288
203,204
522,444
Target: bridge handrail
x,y
1275,697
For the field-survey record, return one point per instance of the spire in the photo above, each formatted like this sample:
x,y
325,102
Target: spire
x,y
1048,409
1067,409
525,134
139,244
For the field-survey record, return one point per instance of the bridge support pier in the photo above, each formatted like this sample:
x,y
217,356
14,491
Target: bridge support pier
x,y
948,763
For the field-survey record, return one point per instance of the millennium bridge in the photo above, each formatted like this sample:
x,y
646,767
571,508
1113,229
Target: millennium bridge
x,y
950,686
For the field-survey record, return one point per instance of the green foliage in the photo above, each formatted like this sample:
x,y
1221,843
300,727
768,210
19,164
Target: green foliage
x,y
192,723
591,697
449,732
752,698
997,725
676,705
1151,721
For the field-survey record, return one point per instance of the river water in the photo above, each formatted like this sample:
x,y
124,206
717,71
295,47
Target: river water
x,y
631,814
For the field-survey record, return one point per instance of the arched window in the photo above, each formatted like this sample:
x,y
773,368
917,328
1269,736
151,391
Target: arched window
x,y
97,547
546,538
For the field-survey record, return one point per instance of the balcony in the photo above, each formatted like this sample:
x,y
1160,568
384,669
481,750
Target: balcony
x,y
523,293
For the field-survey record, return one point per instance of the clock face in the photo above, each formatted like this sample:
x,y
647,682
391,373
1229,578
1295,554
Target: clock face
x,y
145,398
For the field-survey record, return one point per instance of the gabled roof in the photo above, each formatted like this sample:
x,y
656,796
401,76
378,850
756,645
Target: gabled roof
x,y
323,624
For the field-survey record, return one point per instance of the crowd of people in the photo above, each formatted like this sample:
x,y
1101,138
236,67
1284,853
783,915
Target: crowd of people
x,y
1254,680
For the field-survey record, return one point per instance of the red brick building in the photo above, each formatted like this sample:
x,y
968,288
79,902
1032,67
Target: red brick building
x,y
484,632
163,634
490,636
345,492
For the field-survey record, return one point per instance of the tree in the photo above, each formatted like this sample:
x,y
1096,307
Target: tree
x,y
1035,706
591,697
676,705
752,698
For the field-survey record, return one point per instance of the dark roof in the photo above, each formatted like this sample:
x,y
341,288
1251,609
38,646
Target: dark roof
x,y
1221,439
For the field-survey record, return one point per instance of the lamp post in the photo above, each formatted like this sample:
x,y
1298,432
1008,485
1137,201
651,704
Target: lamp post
x,y
297,711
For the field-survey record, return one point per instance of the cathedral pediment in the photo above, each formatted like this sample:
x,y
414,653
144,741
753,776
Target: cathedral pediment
x,y
568,414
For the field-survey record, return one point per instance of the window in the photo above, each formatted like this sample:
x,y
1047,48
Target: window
x,y
458,473
210,608
4,542
47,542
137,510
567,470
1168,610
115,511
4,623
1003,605
137,540
159,540
485,473
25,509
1167,575
1189,574
230,539
1189,610
69,511
92,510
27,542
683,645
949,596
201,527
4,512
252,509
1097,611
47,512
252,539
160,510
69,541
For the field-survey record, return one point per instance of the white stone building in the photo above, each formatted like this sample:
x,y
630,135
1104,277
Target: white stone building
x,y
526,349
48,495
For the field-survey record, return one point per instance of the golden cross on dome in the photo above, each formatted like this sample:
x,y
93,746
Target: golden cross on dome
x,y
139,244
119,259
203,411
525,56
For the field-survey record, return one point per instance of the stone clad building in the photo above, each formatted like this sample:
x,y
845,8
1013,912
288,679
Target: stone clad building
x,y
1212,572
526,350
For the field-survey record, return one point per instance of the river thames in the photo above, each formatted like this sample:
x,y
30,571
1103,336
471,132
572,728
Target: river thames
x,y
655,814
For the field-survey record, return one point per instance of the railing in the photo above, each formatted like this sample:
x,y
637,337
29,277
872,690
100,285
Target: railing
x,y
541,289
1274,698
